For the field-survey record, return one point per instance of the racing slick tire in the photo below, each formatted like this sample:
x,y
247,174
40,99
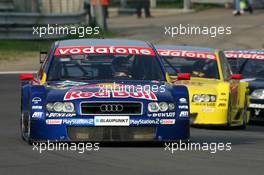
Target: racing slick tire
x,y
229,114
244,125
25,127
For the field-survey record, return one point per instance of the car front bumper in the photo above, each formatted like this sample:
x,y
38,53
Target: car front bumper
x,y
81,129
256,108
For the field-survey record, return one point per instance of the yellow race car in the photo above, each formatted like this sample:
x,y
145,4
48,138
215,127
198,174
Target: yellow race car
x,y
217,97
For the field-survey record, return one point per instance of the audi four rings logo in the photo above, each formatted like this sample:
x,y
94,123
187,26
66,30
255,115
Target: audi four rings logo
x,y
111,108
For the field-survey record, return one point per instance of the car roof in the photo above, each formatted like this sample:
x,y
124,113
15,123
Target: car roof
x,y
186,48
102,42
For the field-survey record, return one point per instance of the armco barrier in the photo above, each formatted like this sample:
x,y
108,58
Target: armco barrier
x,y
19,25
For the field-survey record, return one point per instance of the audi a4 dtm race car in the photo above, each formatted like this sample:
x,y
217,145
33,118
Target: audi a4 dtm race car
x,y
217,97
250,63
102,90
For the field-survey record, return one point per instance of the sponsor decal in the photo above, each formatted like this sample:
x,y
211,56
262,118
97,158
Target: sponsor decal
x,y
111,108
253,105
71,83
137,122
118,50
257,112
188,82
184,114
167,121
54,115
209,104
165,114
182,100
222,105
207,109
223,99
187,54
111,121
37,115
183,107
245,55
37,107
36,100
54,121
72,95
89,122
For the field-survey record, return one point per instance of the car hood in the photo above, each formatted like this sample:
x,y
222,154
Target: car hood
x,y
94,91
201,86
255,83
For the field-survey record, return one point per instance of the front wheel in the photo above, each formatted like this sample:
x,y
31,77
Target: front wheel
x,y
229,114
25,127
244,124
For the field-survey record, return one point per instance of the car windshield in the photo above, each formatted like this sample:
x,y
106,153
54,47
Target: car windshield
x,y
249,68
203,68
105,67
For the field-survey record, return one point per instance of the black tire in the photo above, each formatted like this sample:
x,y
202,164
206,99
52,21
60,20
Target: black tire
x,y
244,125
25,127
229,114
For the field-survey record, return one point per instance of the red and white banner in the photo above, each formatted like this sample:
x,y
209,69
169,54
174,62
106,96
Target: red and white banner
x,y
117,50
244,55
73,95
187,54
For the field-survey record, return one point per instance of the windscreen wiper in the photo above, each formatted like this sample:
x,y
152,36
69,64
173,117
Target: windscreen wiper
x,y
171,66
243,66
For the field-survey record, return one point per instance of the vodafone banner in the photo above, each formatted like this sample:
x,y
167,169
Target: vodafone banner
x,y
244,55
104,50
187,54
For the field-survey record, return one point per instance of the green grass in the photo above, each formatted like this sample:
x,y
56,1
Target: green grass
x,y
23,46
201,7
21,49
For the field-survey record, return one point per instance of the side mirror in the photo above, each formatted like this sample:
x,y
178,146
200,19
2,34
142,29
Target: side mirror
x,y
236,77
184,76
26,77
42,56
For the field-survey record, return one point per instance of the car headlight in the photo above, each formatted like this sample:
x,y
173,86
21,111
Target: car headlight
x,y
171,106
68,107
60,107
206,98
153,107
197,98
203,98
161,107
257,94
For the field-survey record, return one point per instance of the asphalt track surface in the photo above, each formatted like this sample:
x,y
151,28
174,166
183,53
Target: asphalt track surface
x,y
17,157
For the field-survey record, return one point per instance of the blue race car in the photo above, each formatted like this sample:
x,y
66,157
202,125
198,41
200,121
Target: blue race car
x,y
102,90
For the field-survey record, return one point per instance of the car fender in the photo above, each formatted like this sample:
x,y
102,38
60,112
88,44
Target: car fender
x,y
243,93
181,96
25,96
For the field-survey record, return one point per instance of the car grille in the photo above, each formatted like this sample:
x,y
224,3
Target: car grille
x,y
111,133
111,108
